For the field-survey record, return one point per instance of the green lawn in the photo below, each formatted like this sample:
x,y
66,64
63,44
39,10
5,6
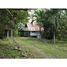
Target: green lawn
x,y
32,48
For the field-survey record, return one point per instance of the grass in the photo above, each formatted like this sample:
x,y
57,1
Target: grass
x,y
32,48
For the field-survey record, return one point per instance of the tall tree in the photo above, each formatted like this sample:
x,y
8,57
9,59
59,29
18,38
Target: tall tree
x,y
49,20
39,14
10,18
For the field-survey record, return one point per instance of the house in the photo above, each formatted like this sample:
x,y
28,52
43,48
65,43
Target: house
x,y
32,29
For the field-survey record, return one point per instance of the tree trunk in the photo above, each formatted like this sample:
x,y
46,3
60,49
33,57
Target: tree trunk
x,y
11,33
7,34
54,38
39,35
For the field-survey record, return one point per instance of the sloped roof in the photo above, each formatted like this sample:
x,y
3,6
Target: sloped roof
x,y
33,27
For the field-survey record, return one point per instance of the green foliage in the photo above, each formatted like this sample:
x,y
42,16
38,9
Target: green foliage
x,y
53,21
62,26
22,16
10,18
43,17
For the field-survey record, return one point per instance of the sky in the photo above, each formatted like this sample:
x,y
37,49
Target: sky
x,y
30,12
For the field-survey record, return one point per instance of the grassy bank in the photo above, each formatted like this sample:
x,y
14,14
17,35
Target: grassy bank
x,y
25,47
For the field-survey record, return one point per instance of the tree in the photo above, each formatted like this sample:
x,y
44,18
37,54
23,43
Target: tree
x,y
39,14
62,25
10,18
19,16
49,19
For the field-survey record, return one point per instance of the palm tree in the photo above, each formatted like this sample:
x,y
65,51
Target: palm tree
x,y
48,18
